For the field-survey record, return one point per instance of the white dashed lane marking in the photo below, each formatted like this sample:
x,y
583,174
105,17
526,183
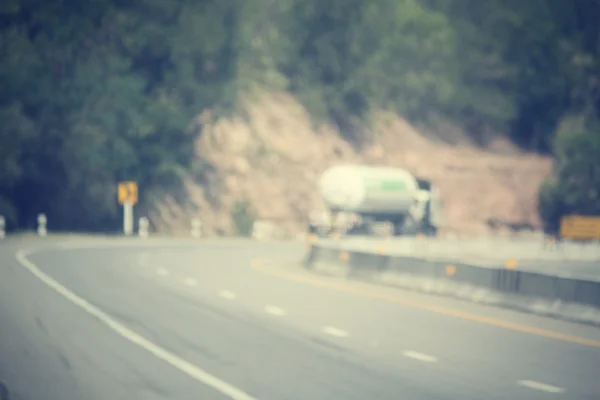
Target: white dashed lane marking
x,y
275,311
162,272
190,282
419,356
226,294
333,331
540,386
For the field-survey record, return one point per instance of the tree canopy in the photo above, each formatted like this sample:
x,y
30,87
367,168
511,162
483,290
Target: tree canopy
x,y
101,91
575,185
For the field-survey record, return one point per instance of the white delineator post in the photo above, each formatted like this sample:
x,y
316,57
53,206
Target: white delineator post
x,y
196,228
128,218
143,225
2,227
42,221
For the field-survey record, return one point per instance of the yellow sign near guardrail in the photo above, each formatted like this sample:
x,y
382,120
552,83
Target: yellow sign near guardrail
x,y
580,227
128,192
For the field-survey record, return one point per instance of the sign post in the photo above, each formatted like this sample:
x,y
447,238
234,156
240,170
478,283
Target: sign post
x,y
128,218
42,221
2,227
128,197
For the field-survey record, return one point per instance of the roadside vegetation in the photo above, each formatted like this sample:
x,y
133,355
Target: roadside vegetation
x,y
100,91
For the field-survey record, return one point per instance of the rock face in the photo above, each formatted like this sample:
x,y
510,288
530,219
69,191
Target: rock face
x,y
272,158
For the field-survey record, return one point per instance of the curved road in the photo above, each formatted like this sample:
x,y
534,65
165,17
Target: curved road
x,y
108,319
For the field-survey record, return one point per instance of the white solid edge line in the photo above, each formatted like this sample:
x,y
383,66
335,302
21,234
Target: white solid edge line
x,y
184,366
540,386
330,330
273,310
415,355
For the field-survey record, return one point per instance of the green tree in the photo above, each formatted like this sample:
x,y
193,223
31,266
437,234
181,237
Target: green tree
x,y
574,187
101,91
352,56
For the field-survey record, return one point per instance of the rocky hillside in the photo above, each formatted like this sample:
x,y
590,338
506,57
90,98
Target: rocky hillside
x,y
271,158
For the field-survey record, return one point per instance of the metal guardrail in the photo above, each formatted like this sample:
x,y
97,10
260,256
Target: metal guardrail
x,y
509,281
487,250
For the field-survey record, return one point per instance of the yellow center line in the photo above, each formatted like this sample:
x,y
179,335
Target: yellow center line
x,y
341,287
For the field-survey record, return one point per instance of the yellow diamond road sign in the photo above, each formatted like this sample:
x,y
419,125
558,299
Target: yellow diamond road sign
x,y
128,192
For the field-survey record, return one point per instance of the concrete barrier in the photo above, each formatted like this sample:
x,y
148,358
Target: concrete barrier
x,y
567,297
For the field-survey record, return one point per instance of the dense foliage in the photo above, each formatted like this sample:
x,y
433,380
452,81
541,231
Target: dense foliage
x,y
575,186
99,91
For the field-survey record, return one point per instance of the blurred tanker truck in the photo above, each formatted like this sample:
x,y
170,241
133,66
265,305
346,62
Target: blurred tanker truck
x,y
378,194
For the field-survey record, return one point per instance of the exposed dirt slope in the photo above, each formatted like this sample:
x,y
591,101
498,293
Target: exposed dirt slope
x,y
273,156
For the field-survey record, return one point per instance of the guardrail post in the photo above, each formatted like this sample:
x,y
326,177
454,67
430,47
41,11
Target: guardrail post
x,y
2,227
143,225
42,221
196,228
264,230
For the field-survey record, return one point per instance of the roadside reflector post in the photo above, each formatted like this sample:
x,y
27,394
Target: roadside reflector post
x,y
143,225
42,221
2,227
196,228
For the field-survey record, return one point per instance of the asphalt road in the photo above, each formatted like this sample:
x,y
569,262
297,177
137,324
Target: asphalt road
x,y
238,320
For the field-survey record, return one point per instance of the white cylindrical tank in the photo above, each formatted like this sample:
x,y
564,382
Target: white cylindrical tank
x,y
368,190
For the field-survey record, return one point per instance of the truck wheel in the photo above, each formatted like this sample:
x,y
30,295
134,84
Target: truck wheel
x,y
397,228
431,231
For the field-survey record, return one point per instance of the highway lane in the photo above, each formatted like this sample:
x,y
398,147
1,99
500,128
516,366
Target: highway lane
x,y
240,312
279,365
52,350
388,328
